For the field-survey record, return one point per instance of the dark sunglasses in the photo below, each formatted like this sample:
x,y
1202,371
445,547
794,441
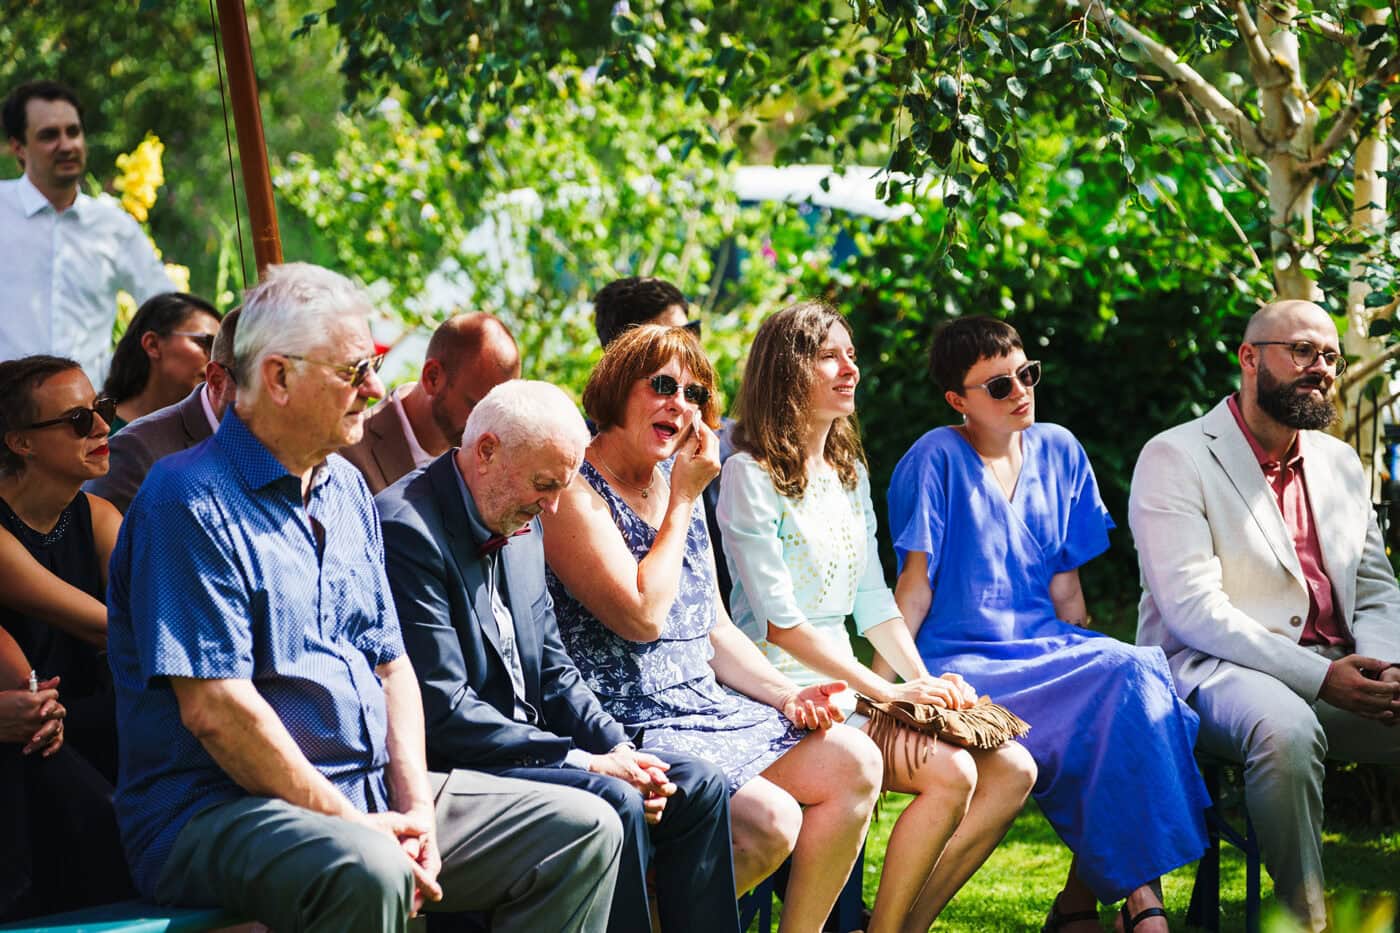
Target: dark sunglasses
x,y
1000,386
80,419
693,327
205,341
357,372
667,386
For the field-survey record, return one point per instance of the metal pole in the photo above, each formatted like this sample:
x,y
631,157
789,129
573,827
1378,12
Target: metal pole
x,y
247,120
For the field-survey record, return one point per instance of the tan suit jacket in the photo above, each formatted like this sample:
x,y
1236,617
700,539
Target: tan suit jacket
x,y
382,455
1220,576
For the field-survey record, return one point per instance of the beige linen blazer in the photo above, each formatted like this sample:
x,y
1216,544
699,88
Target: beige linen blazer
x,y
382,455
1220,577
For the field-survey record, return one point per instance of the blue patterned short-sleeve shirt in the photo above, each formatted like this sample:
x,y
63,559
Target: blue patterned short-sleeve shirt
x,y
217,574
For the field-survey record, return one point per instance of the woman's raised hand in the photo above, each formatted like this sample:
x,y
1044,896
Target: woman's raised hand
x,y
697,460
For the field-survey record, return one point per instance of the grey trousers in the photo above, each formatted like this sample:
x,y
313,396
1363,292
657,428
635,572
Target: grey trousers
x,y
534,856
1250,717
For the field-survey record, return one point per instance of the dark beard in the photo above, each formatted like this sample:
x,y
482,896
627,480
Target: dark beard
x,y
1285,404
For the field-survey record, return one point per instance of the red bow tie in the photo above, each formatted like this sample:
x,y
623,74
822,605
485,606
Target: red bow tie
x,y
494,543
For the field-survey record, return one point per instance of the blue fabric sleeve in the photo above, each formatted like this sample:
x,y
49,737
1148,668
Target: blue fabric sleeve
x,y
1087,521
190,606
379,637
874,600
916,502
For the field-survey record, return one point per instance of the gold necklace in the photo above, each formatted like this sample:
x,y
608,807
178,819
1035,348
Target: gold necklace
x,y
644,490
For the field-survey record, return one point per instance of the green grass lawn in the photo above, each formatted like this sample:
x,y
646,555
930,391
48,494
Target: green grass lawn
x,y
1014,889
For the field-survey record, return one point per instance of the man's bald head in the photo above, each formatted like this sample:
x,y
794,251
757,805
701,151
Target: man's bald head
x,y
1282,319
468,356
476,340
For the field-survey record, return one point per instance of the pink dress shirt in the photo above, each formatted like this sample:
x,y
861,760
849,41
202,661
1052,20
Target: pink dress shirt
x,y
1323,625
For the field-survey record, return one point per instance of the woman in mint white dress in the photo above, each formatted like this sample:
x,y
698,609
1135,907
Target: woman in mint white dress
x,y
799,536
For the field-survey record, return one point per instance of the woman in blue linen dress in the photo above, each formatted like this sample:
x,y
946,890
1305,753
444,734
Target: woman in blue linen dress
x,y
799,534
632,576
991,520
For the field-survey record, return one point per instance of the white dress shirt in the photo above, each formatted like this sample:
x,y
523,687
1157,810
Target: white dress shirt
x,y
61,273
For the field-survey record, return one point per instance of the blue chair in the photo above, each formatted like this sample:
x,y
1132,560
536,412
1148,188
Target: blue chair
x,y
846,915
1204,911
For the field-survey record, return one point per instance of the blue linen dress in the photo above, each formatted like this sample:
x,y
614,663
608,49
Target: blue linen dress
x,y
667,687
1111,738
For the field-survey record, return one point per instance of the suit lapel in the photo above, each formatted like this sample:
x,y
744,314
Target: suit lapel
x,y
389,447
1332,520
1235,457
463,546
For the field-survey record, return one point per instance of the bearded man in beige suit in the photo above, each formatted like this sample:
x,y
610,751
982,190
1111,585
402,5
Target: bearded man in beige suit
x,y
1266,583
468,356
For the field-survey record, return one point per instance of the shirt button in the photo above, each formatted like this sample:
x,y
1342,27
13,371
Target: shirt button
x,y
1295,621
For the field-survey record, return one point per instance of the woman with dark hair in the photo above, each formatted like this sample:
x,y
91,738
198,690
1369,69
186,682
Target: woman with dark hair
x,y
799,535
57,734
633,581
55,540
162,355
991,521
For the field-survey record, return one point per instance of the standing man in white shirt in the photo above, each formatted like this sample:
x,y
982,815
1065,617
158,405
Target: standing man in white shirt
x,y
468,356
67,254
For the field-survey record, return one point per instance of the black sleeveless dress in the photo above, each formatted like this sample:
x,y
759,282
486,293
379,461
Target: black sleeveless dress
x,y
69,553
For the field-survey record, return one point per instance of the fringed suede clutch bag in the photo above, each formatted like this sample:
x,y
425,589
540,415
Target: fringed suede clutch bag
x,y
983,725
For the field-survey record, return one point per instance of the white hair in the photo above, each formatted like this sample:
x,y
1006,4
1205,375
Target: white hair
x,y
527,413
292,310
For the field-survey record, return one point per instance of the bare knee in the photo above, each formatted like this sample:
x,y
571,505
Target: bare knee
x,y
1012,768
857,767
765,821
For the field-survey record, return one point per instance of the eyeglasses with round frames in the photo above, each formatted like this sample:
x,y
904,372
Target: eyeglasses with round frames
x,y
667,386
80,419
357,372
1305,354
999,387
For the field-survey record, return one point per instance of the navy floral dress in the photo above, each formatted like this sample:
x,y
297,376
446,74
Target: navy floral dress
x,y
667,687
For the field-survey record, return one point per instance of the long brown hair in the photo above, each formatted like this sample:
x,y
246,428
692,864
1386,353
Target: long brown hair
x,y
772,405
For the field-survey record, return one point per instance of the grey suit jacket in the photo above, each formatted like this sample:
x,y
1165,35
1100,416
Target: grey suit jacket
x,y
382,455
1220,577
136,447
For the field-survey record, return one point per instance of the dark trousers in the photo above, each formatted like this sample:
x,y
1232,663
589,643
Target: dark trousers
x,y
690,847
59,848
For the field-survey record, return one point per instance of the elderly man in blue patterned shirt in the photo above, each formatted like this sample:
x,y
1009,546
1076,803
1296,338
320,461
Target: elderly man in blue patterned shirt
x,y
271,728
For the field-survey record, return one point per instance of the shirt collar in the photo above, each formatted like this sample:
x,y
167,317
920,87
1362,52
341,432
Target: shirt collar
x,y
32,200
208,408
415,450
475,522
1293,458
252,461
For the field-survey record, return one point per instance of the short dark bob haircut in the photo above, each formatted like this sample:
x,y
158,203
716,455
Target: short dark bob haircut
x,y
960,343
636,354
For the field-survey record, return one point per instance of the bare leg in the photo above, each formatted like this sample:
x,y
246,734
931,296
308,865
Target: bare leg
x,y
1149,895
764,821
1004,780
1074,897
835,775
943,780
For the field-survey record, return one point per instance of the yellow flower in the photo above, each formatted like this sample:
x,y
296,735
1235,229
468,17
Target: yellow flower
x,y
179,274
141,175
